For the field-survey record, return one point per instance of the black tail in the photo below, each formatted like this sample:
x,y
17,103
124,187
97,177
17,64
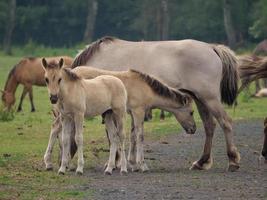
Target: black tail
x,y
229,82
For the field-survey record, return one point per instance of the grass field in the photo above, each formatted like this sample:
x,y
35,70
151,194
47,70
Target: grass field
x,y
23,142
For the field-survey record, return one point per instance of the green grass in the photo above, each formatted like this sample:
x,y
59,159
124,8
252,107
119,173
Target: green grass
x,y
23,142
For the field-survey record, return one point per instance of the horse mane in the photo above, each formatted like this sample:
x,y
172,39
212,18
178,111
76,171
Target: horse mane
x,y
89,51
71,75
161,88
251,70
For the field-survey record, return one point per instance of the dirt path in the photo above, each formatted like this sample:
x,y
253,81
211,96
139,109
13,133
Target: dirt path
x,y
169,177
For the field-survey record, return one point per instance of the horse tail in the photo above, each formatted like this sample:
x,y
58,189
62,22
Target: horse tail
x,y
251,69
229,81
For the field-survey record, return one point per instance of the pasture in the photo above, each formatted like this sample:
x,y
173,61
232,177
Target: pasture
x,y
169,154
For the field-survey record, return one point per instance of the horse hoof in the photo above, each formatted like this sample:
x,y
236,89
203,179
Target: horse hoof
x,y
61,173
195,166
233,167
123,172
144,168
79,173
108,173
19,110
49,168
33,110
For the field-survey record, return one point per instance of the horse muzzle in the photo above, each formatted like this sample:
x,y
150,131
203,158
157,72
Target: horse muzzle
x,y
53,99
191,129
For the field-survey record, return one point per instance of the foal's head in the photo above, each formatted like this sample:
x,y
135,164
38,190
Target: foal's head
x,y
53,77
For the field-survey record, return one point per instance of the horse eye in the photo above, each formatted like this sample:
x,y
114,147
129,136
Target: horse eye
x,y
46,80
59,80
191,113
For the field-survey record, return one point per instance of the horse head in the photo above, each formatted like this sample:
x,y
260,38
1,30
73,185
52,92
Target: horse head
x,y
8,99
53,77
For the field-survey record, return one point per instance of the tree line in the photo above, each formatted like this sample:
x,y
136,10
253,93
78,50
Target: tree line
x,y
65,23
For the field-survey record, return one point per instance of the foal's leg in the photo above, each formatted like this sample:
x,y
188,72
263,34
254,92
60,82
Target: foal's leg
x,y
31,99
119,119
111,134
132,145
226,124
162,115
205,162
138,116
24,92
54,134
78,120
66,131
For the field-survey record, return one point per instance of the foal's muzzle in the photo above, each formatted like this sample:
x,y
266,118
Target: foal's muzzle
x,y
53,98
191,129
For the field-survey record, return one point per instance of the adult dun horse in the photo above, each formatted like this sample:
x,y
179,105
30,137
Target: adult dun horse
x,y
28,72
208,72
143,92
77,98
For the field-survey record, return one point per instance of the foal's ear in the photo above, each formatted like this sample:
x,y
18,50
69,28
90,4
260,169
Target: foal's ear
x,y
44,63
186,99
61,62
2,91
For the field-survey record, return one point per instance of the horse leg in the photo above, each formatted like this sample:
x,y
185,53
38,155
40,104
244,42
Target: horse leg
x,y
119,119
31,99
264,148
132,146
24,92
226,124
111,134
162,115
138,116
148,115
257,86
54,134
205,161
78,121
66,131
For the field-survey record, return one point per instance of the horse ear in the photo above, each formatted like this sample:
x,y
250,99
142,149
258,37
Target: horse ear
x,y
44,63
186,99
2,91
61,62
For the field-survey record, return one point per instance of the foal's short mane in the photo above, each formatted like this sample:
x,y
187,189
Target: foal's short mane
x,y
71,75
89,51
161,88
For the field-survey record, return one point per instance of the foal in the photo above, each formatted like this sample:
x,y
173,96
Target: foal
x,y
77,98
143,92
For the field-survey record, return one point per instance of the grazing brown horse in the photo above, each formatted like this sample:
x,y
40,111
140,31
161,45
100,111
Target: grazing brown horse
x,y
205,71
251,70
260,50
28,72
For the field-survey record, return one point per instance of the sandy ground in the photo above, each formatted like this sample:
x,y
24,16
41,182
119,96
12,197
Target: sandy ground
x,y
170,178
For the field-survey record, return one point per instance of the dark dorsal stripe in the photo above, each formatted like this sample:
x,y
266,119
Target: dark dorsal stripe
x,y
88,52
161,88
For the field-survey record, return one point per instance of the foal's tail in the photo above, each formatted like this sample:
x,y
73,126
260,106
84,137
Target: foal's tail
x,y
251,69
229,82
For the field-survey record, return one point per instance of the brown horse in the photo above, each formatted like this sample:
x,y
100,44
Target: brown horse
x,y
207,72
251,70
260,50
28,72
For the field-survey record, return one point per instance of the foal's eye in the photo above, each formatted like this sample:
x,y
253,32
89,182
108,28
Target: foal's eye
x,y
46,80
59,80
191,113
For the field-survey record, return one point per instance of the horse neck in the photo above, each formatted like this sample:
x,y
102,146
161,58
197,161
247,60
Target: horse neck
x,y
165,103
11,84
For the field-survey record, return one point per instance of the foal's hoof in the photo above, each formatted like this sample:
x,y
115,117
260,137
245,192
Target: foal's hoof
x,y
61,173
123,172
233,167
108,172
79,173
49,168
144,168
33,110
